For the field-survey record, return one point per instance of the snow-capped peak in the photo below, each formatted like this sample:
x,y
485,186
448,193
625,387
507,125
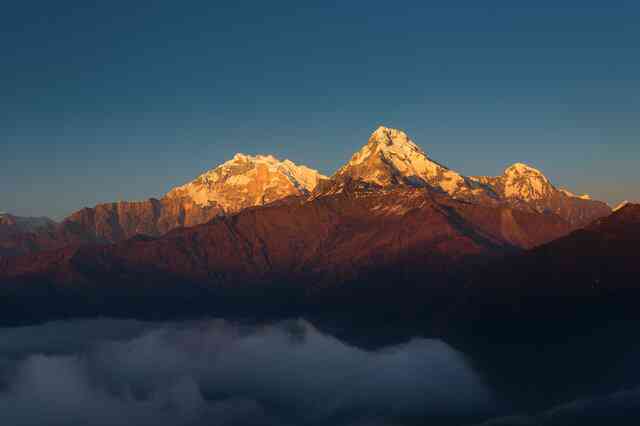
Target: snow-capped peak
x,y
248,180
390,143
396,143
265,159
523,169
391,157
391,137
526,183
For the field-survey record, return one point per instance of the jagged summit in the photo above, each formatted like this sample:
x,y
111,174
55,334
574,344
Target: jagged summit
x,y
393,140
521,168
248,180
521,182
395,146
526,187
529,183
526,183
390,157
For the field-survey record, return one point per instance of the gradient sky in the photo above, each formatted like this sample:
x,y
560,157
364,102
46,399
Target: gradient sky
x,y
123,100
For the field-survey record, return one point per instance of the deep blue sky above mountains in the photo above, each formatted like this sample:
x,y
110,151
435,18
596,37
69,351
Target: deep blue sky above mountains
x,y
123,100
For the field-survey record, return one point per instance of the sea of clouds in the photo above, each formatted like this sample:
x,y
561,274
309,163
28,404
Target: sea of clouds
x,y
214,372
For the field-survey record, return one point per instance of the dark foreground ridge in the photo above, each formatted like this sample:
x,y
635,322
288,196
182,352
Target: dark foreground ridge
x,y
585,279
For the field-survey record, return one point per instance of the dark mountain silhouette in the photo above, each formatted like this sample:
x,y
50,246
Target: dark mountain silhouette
x,y
577,281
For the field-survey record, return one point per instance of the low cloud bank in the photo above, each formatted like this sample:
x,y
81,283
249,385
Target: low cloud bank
x,y
107,372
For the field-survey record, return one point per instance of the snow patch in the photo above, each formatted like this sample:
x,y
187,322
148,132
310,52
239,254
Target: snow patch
x,y
526,183
571,194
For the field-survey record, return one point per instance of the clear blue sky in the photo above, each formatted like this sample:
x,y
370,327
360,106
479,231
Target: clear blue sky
x,y
124,100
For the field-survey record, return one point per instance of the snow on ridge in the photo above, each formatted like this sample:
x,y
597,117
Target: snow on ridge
x,y
305,176
393,151
523,169
527,183
246,179
621,205
572,195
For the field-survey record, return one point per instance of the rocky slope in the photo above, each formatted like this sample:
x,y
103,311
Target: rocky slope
x,y
16,242
579,280
25,223
18,234
242,182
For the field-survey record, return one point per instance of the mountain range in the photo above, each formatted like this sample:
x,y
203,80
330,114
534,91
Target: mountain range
x,y
244,181
389,159
391,228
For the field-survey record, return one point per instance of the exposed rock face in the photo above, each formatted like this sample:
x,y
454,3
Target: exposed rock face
x,y
245,181
15,242
18,234
525,187
118,221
